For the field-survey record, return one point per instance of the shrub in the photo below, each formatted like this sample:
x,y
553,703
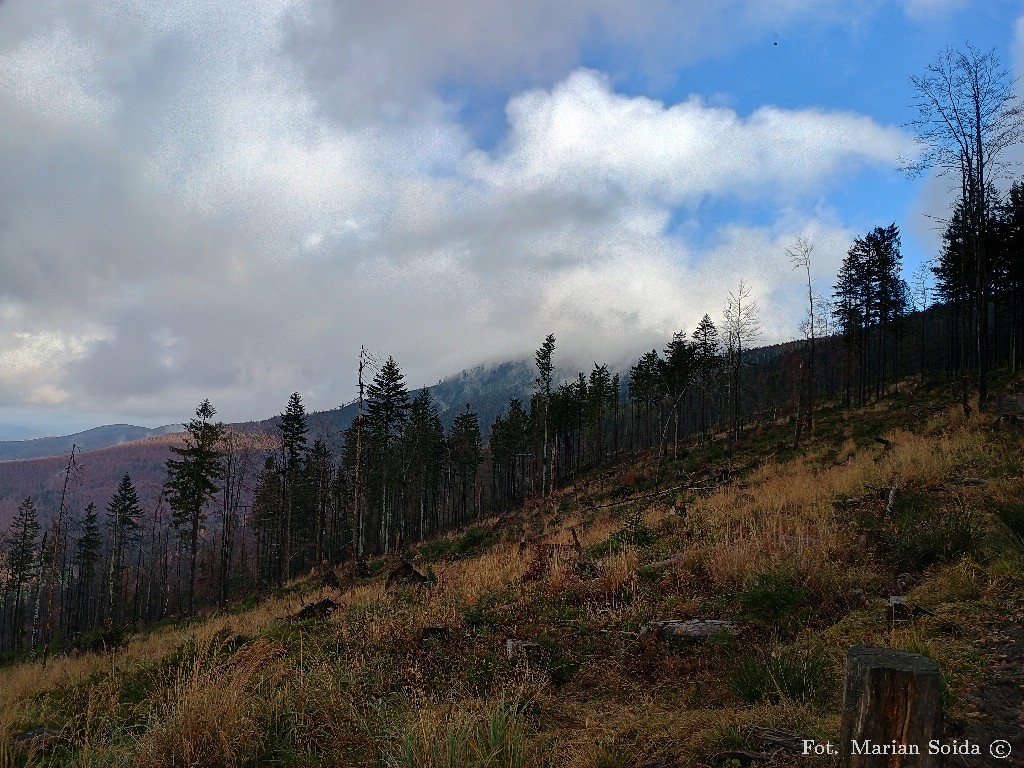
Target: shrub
x,y
775,600
635,531
438,549
473,541
1012,516
921,535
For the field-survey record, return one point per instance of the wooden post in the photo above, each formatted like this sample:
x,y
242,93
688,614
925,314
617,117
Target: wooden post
x,y
892,709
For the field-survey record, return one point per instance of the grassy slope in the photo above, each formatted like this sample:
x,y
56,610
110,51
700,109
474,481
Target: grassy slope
x,y
795,546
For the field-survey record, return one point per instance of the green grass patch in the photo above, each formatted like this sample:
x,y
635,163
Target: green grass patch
x,y
785,673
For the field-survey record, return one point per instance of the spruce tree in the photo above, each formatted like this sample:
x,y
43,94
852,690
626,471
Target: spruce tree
x,y
87,555
423,447
545,368
20,544
707,354
598,405
677,373
267,516
192,483
387,411
124,513
296,521
465,450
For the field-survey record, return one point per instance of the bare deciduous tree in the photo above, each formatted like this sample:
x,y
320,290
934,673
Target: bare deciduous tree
x,y
800,257
968,116
742,327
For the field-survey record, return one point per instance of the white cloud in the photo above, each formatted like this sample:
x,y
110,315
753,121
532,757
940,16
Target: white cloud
x,y
581,137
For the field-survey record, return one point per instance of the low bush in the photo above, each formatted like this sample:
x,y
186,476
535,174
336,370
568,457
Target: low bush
x,y
1012,516
921,533
776,601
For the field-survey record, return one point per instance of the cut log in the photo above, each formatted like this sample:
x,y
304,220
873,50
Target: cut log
x,y
314,611
229,640
695,629
668,562
525,649
774,739
37,741
892,709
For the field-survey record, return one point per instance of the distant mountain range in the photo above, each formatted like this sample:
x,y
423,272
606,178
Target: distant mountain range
x,y
89,440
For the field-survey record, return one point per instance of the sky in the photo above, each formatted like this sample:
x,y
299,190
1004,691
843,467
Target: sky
x,y
224,199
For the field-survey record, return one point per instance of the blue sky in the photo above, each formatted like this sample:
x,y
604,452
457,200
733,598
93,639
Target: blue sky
x,y
225,200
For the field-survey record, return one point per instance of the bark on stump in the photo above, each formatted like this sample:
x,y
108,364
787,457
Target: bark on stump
x,y
892,708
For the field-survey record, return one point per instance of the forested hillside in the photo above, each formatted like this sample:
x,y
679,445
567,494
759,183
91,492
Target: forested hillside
x,y
262,504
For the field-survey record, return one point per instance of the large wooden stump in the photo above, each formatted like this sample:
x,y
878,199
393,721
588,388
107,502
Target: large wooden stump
x,y
892,709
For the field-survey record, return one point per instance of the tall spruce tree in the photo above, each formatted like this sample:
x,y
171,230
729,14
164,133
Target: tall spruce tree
x,y
600,398
267,516
192,483
387,411
677,373
124,515
870,296
706,357
646,387
86,560
296,520
20,545
423,447
545,369
465,450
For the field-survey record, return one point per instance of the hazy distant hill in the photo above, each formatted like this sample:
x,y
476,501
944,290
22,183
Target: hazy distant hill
x,y
91,439
486,388
17,432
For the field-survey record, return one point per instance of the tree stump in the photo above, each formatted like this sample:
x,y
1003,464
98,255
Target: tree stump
x,y
892,709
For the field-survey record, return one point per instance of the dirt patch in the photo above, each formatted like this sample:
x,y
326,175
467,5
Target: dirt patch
x,y
996,706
